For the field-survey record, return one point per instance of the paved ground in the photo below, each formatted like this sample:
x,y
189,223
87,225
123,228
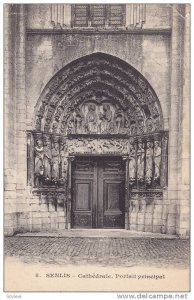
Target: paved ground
x,y
104,251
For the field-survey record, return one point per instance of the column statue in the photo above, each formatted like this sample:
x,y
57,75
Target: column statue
x,y
38,166
55,160
157,161
47,159
149,163
132,164
140,162
63,160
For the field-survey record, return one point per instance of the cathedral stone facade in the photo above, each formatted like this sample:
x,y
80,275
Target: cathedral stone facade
x,y
97,117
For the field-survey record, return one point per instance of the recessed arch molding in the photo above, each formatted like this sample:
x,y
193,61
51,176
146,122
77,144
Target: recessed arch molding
x,y
99,82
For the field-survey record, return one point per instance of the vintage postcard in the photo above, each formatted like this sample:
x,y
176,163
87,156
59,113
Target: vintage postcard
x,y
97,147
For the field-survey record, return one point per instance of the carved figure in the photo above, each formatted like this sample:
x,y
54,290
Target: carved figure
x,y
42,109
63,160
133,128
91,118
119,120
55,160
106,126
156,122
55,124
79,121
149,163
39,155
70,125
140,162
67,124
47,160
132,165
141,128
157,161
149,125
59,112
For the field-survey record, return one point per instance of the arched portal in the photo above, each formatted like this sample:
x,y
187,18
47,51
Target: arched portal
x,y
98,131
99,78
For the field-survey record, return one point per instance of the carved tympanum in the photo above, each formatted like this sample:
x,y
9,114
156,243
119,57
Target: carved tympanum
x,y
107,81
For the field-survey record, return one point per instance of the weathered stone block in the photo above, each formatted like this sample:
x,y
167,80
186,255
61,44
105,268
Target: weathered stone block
x,y
51,207
60,219
148,221
140,219
133,227
140,227
54,225
45,214
170,230
148,228
8,230
62,225
44,208
171,220
36,227
61,213
45,220
157,222
35,207
133,218
157,229
46,226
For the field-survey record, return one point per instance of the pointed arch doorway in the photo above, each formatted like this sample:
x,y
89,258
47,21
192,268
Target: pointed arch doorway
x,y
97,109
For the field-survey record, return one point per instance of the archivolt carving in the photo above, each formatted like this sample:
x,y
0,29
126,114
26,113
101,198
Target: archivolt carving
x,y
123,84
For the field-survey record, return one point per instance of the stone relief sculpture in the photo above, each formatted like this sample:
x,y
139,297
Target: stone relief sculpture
x,y
51,157
55,160
71,125
132,164
157,161
99,115
149,125
140,162
63,160
79,119
66,89
91,119
149,163
119,120
47,158
38,166
106,124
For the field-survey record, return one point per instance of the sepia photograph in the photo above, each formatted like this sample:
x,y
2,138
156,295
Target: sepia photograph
x,y
96,147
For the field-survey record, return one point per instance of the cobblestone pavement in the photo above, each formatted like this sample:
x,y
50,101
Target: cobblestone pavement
x,y
126,252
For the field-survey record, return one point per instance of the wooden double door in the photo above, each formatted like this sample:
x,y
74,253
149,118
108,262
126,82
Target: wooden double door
x,y
98,186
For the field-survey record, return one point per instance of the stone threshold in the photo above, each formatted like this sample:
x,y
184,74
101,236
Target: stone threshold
x,y
97,233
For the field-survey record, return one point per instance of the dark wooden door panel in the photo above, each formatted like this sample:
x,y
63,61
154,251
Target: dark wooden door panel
x,y
98,193
83,196
112,195
113,216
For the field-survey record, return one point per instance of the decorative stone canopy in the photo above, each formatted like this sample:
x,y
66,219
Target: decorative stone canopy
x,y
102,89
